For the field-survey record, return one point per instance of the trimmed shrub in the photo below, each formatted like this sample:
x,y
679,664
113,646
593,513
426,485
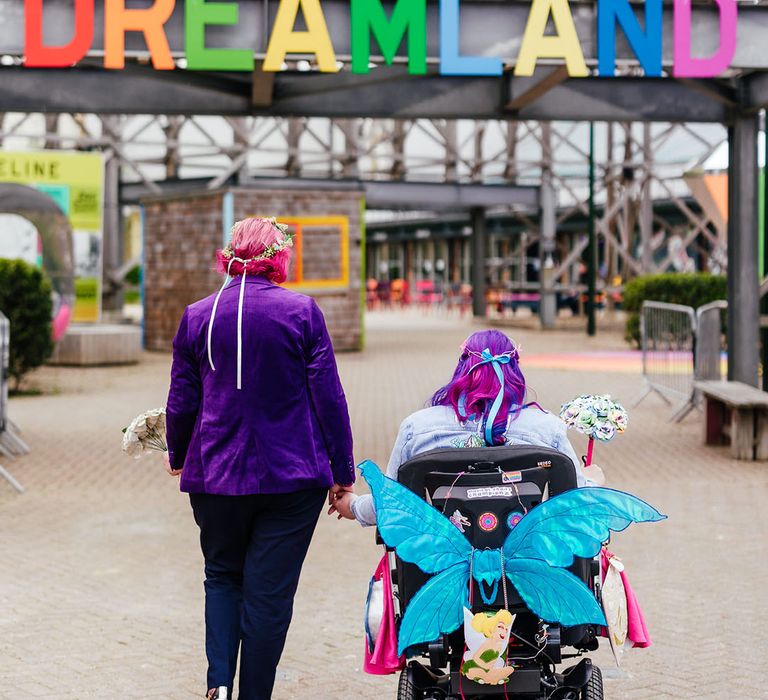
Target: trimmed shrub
x,y
132,289
25,298
133,276
689,288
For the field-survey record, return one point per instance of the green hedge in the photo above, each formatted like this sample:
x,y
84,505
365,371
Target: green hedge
x,y
25,298
689,288
133,276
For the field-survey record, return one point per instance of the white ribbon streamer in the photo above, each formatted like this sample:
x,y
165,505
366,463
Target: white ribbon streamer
x,y
240,334
213,314
269,252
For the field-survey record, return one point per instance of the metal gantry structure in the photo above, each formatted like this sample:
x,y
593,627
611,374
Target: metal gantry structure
x,y
634,165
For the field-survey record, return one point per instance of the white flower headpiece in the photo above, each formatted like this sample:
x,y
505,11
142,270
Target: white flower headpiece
x,y
229,254
269,252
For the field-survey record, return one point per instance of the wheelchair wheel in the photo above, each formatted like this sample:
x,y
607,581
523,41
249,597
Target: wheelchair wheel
x,y
594,689
405,688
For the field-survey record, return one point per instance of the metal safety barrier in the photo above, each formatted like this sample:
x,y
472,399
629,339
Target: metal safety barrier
x,y
680,344
10,443
5,352
711,342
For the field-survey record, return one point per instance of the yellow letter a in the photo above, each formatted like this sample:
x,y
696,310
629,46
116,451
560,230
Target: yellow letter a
x,y
564,44
315,40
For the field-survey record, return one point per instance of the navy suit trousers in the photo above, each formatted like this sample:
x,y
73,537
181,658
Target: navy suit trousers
x,y
254,548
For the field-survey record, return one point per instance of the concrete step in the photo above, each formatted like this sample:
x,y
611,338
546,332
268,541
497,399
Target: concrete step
x,y
98,344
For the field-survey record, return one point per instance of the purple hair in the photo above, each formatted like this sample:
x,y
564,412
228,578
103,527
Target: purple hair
x,y
480,386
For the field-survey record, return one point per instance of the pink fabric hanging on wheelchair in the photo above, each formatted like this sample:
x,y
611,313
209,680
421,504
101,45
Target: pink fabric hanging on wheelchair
x,y
383,659
637,632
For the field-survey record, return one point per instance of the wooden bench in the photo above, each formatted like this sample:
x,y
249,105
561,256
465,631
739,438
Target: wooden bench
x,y
736,413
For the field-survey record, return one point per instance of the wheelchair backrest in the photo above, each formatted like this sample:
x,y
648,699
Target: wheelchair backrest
x,y
538,464
485,490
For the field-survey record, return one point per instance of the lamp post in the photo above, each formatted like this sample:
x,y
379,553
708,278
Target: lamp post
x,y
592,247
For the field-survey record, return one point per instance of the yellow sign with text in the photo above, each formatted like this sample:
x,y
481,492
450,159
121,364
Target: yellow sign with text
x,y
73,180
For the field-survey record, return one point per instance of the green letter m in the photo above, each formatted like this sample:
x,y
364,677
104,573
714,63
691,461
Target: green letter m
x,y
369,18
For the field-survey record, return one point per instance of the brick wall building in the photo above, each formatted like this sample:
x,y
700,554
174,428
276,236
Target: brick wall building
x,y
182,232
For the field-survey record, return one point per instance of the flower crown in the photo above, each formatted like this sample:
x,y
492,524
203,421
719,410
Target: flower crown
x,y
269,252
513,354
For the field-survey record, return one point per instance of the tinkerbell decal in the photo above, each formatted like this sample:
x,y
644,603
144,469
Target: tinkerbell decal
x,y
487,637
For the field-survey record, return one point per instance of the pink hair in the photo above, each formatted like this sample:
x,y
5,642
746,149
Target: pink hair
x,y
250,238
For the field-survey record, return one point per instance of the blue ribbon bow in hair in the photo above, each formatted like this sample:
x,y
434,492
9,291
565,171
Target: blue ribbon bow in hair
x,y
496,361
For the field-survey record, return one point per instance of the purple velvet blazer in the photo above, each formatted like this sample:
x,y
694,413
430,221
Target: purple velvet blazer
x,y
288,428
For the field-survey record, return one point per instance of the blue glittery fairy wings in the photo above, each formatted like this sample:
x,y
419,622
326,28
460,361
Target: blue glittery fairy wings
x,y
533,557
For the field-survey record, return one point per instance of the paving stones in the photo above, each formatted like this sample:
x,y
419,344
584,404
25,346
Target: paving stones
x,y
101,587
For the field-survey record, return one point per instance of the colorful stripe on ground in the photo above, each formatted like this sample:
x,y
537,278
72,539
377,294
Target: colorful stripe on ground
x,y
627,361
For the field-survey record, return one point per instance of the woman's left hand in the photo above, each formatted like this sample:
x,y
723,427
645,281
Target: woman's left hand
x,y
337,490
343,506
168,467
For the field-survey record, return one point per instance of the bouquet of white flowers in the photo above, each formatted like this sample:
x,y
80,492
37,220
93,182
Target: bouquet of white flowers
x,y
595,415
145,433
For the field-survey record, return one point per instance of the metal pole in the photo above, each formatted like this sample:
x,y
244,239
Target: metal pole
x,y
592,247
646,204
548,305
548,308
744,286
478,261
764,260
112,247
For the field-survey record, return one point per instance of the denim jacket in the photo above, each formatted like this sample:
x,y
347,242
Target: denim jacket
x,y
438,427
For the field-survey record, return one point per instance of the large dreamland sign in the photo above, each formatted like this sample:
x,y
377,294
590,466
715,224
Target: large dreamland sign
x,y
300,28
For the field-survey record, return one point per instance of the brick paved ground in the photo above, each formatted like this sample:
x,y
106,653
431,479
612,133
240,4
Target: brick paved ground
x,y
100,590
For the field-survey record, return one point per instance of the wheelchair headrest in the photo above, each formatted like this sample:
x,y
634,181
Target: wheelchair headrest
x,y
539,464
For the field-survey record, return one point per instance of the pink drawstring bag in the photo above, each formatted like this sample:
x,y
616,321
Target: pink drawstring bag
x,y
381,656
637,632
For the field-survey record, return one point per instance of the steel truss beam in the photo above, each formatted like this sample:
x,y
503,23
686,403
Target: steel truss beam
x,y
378,194
153,149
385,93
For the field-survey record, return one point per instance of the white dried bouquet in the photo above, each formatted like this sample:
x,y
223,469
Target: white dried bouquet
x,y
597,416
146,433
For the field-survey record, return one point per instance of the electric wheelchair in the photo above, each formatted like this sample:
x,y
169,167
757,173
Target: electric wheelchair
x,y
486,491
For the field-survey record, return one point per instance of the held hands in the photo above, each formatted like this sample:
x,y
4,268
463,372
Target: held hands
x,y
338,490
167,463
342,504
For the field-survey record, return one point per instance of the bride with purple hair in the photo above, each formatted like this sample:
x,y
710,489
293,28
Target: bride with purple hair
x,y
484,404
